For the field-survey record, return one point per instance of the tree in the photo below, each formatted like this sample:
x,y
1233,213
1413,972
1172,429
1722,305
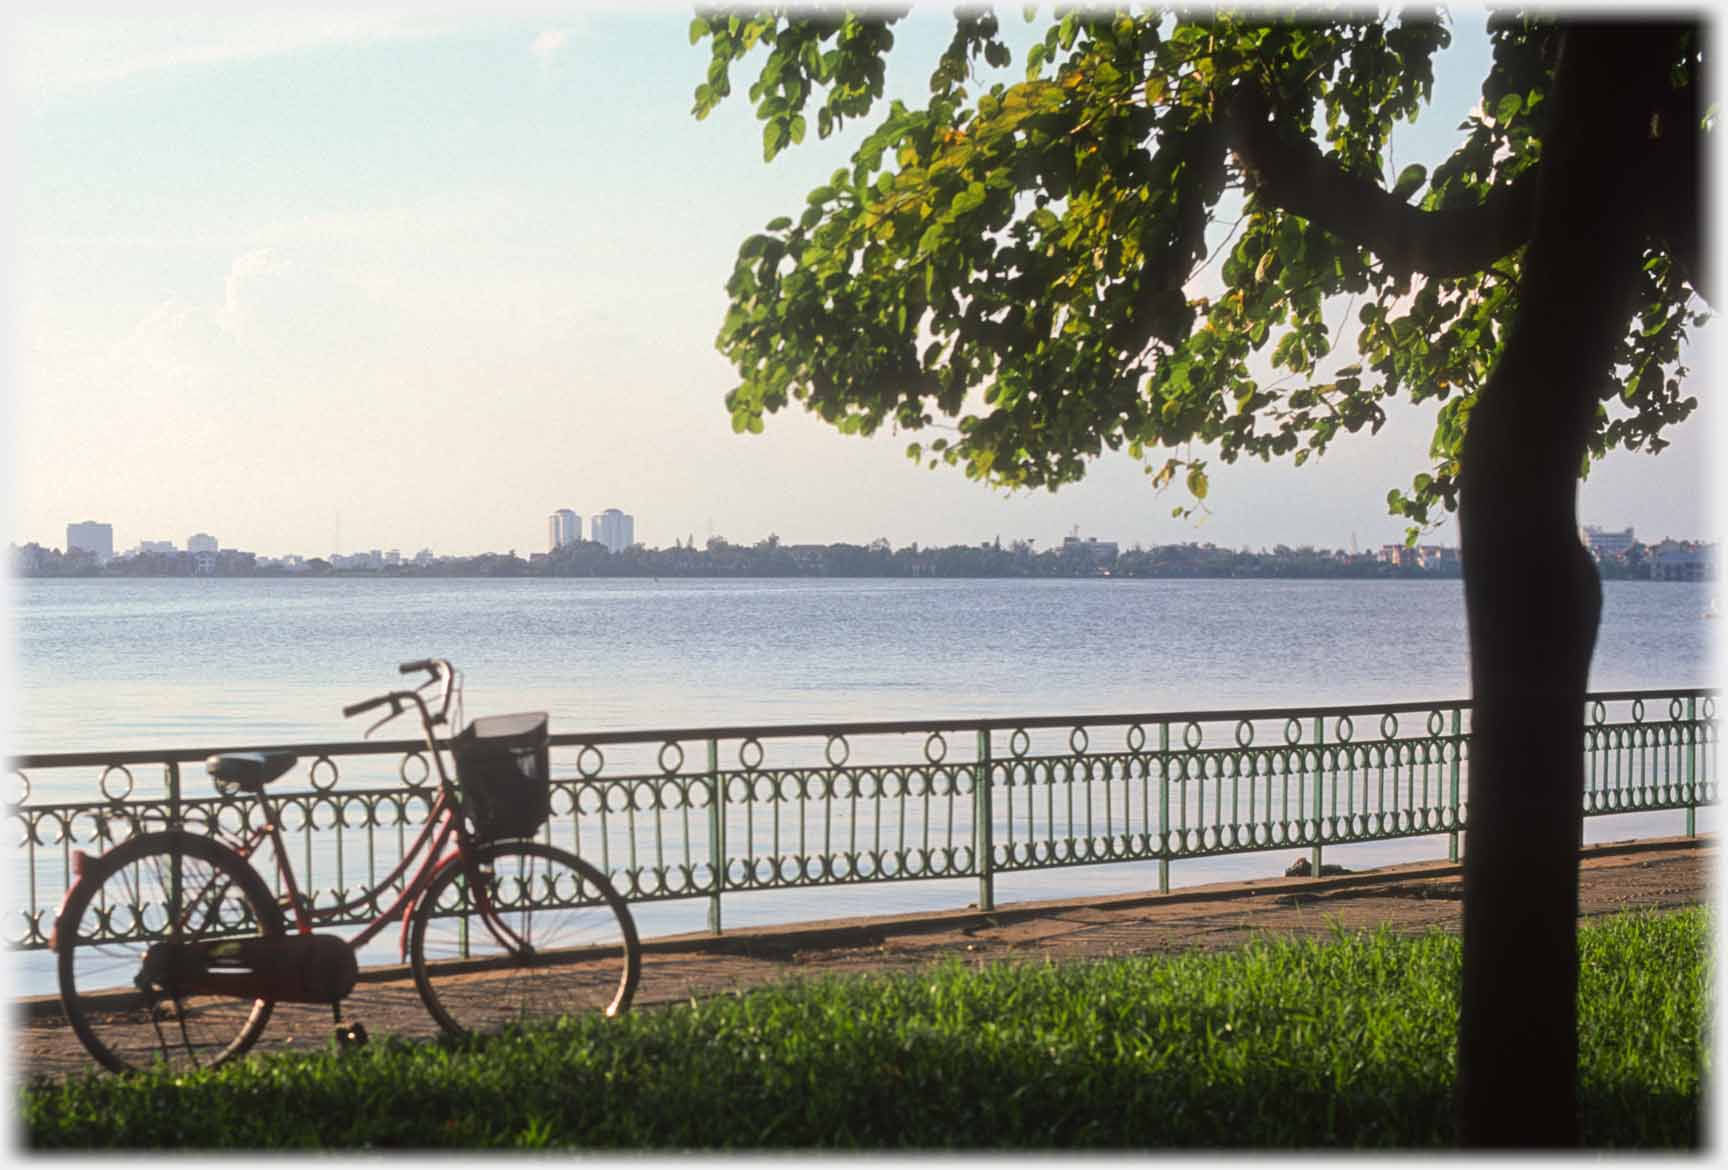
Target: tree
x,y
1025,260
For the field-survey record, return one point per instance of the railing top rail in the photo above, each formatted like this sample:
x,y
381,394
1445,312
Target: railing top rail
x,y
797,730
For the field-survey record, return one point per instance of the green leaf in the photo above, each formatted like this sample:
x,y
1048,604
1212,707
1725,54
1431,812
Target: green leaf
x,y
698,29
1409,180
1197,483
1508,108
972,197
773,139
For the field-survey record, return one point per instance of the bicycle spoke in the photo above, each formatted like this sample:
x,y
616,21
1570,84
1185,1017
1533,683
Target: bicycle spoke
x,y
125,904
524,945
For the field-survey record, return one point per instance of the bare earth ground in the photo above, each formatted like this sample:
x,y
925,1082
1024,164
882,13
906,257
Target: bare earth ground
x,y
1408,899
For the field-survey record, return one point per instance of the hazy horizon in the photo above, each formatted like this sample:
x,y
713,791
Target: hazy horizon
x,y
320,281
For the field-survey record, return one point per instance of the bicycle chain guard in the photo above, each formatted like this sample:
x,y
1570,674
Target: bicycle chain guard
x,y
297,968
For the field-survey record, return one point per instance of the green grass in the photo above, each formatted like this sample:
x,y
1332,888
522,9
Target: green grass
x,y
1346,1042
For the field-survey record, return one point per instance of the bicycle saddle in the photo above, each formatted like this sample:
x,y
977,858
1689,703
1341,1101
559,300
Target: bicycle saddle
x,y
249,770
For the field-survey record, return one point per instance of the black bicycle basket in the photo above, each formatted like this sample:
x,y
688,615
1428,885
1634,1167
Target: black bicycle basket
x,y
502,770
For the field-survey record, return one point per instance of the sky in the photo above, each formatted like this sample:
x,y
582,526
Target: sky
x,y
322,280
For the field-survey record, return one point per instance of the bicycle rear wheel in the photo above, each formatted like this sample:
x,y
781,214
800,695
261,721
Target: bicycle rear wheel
x,y
126,901
521,933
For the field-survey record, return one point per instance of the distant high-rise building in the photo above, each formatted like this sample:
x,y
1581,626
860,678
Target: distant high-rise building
x,y
614,529
91,537
1604,544
563,527
201,542
155,546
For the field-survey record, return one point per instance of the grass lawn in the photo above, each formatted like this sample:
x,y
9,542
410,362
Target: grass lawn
x,y
1283,1044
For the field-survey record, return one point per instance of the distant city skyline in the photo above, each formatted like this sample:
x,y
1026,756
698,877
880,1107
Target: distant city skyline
x,y
619,533
443,273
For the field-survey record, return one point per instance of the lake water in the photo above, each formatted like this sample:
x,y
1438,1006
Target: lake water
x,y
122,664
114,664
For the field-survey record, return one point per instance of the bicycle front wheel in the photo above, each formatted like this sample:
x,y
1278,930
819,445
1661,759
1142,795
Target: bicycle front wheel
x,y
521,933
160,887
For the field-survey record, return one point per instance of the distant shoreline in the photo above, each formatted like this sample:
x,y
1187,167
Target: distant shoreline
x,y
771,558
363,575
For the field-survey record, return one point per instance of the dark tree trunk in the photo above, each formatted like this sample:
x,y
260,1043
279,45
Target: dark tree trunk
x,y
1532,594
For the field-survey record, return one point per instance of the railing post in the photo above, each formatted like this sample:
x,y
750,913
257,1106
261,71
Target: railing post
x,y
1319,792
1457,771
1692,766
716,834
171,779
1164,808
983,836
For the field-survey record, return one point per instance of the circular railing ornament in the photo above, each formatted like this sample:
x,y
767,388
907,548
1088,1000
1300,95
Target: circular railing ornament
x,y
103,781
936,747
1078,741
677,757
425,776
751,754
331,776
590,761
331,812
293,815
837,743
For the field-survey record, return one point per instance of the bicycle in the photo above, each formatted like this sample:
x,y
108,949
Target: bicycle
x,y
172,949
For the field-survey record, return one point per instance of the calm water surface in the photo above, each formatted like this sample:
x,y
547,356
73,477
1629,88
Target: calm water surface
x,y
121,664
108,664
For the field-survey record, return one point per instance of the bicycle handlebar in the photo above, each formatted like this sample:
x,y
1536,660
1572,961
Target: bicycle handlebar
x,y
353,709
439,669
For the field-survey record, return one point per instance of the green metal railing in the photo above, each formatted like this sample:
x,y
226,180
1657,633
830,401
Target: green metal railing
x,y
703,812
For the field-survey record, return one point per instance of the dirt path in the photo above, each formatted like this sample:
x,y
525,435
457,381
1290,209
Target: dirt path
x,y
1658,874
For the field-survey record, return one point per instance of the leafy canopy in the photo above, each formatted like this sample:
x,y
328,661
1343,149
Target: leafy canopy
x,y
1023,258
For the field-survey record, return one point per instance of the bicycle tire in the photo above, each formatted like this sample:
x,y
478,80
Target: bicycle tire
x,y
581,955
112,915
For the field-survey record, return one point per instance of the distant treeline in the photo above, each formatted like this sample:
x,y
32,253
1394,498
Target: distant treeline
x,y
771,558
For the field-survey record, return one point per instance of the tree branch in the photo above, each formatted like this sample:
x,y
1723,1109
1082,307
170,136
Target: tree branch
x,y
1679,211
1290,172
